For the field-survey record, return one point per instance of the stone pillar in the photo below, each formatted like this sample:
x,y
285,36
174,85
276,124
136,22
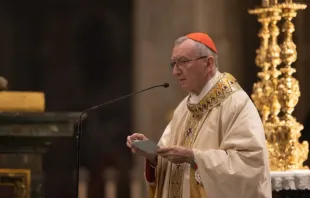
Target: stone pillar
x,y
222,20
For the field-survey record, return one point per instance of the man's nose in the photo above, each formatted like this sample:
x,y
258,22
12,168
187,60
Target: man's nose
x,y
176,71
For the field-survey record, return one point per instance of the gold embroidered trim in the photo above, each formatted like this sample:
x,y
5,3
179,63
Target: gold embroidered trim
x,y
222,89
198,113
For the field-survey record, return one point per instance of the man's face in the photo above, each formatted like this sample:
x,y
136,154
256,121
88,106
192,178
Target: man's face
x,y
192,75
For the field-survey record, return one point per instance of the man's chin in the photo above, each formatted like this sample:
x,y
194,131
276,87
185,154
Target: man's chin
x,y
183,86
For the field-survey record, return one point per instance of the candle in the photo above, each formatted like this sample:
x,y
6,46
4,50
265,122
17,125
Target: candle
x,y
265,3
275,2
289,1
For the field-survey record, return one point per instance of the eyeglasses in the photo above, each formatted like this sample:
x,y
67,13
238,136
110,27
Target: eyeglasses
x,y
181,64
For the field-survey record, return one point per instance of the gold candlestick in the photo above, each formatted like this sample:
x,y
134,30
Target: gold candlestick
x,y
275,94
261,89
272,123
273,54
295,153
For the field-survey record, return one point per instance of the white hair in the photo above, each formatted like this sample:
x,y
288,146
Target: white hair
x,y
202,50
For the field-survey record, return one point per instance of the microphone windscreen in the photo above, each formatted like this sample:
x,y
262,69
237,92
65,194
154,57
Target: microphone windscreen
x,y
166,85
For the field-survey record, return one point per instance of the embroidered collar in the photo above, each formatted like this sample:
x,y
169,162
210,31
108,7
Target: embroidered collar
x,y
219,92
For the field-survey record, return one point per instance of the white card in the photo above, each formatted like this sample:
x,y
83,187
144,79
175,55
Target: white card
x,y
147,146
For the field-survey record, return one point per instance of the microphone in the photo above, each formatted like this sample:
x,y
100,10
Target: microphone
x,y
165,85
79,128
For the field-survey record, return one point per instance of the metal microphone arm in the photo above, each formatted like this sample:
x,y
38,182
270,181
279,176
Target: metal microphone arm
x,y
79,128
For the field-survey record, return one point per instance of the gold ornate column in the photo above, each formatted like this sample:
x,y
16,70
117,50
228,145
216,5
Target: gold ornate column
x,y
261,89
277,93
271,125
294,153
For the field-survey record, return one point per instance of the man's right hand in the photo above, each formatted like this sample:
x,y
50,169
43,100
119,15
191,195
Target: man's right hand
x,y
131,138
139,136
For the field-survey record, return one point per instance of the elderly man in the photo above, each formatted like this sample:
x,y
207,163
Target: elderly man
x,y
214,145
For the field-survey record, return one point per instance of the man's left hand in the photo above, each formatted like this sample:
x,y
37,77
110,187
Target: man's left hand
x,y
177,154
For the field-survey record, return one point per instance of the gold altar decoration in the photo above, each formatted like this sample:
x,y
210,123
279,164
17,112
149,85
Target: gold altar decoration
x,y
276,93
18,180
20,101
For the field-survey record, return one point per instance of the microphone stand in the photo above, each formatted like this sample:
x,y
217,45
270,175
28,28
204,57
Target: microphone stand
x,y
79,129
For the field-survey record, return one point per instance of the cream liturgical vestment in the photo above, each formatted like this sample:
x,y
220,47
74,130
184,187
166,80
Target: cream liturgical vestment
x,y
227,136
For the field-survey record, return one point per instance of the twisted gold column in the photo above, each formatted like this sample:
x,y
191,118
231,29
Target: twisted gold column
x,y
275,94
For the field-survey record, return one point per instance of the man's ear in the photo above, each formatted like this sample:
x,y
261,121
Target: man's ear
x,y
210,61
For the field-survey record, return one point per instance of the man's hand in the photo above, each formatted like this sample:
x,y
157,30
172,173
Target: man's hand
x,y
177,154
135,136
139,136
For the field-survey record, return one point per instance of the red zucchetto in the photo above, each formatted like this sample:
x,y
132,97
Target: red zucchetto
x,y
204,39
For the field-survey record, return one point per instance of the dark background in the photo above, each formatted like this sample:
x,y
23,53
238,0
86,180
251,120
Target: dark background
x,y
78,52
